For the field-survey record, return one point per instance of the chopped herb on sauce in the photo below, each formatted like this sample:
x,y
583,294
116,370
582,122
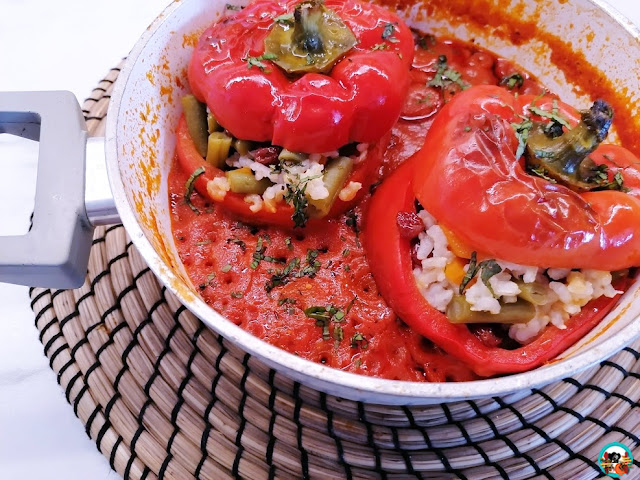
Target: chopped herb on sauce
x,y
237,294
358,341
284,276
515,80
258,255
324,316
352,221
446,76
284,300
313,265
226,268
240,243
427,42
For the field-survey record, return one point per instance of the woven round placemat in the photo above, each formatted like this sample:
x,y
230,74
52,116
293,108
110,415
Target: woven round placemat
x,y
165,397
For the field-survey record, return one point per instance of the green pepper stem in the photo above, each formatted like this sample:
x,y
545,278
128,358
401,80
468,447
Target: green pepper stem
x,y
564,158
308,20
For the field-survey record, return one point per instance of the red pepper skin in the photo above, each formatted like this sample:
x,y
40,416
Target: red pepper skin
x,y
359,100
468,178
389,256
190,160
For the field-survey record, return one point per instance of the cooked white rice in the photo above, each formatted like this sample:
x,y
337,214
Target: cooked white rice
x,y
308,173
566,291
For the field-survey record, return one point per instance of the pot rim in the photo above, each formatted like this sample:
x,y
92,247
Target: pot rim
x,y
333,381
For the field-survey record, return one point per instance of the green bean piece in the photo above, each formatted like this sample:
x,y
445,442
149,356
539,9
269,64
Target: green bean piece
x,y
459,311
195,114
242,146
242,180
535,293
290,156
335,176
212,123
218,147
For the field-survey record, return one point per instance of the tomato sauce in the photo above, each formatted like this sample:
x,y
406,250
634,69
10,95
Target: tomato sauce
x,y
311,291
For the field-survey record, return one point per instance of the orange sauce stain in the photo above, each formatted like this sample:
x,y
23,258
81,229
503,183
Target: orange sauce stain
x,y
150,78
167,91
190,39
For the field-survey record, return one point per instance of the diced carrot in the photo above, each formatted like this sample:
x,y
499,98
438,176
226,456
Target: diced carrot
x,y
457,246
454,271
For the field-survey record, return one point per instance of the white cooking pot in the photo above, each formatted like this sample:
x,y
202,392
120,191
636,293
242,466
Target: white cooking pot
x,y
140,142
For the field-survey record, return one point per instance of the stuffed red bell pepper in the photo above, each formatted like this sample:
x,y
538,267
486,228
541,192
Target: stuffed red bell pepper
x,y
300,98
512,233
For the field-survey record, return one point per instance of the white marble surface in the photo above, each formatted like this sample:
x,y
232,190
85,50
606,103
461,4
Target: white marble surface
x,y
63,45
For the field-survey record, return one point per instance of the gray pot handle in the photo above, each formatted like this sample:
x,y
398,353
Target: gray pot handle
x,y
55,252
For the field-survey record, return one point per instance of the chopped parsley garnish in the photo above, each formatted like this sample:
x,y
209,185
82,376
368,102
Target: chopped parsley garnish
x,y
550,115
284,276
324,316
522,130
312,266
388,31
346,252
296,197
240,243
338,333
285,19
189,186
350,305
541,172
446,76
358,340
380,46
352,222
487,268
284,300
287,242
227,268
237,294
259,254
515,80
427,42
258,61
601,178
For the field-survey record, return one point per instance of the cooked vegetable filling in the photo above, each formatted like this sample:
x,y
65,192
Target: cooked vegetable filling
x,y
523,298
